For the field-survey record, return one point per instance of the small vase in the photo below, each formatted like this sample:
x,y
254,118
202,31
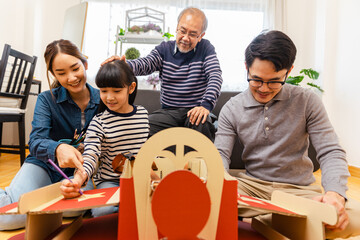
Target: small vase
x,y
154,87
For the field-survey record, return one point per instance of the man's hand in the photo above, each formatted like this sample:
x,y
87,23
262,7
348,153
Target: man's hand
x,y
68,157
197,115
338,201
113,58
71,189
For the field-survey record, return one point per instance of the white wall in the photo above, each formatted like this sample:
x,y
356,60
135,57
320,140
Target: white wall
x,y
327,36
344,102
301,16
28,26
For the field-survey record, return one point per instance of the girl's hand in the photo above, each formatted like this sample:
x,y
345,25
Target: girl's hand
x,y
113,58
68,157
71,189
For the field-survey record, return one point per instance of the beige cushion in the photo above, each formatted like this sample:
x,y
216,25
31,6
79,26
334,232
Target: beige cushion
x,y
11,110
9,102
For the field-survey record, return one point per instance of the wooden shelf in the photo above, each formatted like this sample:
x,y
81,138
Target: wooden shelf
x,y
141,38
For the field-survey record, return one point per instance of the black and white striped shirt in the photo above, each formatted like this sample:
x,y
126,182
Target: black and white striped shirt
x,y
109,134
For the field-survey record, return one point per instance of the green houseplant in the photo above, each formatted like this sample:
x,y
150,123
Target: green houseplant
x,y
310,73
168,35
132,53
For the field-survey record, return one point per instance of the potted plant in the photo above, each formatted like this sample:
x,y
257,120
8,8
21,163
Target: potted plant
x,y
151,26
135,29
132,53
146,28
153,80
312,74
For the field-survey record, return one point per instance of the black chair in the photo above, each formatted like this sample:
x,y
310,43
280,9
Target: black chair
x,y
16,75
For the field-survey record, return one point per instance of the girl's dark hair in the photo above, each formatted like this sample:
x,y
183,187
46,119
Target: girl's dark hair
x,y
116,74
60,46
274,46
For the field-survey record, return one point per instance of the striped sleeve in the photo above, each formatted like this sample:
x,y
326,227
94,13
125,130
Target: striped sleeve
x,y
146,65
93,140
213,74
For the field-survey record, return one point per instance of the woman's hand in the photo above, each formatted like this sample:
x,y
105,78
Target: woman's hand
x,y
71,189
113,58
338,201
69,157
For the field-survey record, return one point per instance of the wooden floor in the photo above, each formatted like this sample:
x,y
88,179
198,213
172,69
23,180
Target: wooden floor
x,y
10,164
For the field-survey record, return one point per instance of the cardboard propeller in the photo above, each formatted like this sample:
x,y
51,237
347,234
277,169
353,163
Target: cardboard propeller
x,y
136,210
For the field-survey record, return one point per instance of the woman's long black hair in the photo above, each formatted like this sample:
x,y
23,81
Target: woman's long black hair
x,y
115,74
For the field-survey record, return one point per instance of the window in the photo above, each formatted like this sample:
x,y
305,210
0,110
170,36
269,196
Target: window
x,y
230,30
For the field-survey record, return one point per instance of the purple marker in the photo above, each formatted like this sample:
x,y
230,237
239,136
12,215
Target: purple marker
x,y
62,173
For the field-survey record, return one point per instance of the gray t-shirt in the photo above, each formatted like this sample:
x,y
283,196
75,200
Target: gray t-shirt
x,y
276,135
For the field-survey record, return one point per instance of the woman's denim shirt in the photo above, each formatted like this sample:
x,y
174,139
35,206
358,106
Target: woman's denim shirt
x,y
56,117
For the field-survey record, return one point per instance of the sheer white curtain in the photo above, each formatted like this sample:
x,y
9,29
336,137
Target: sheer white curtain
x,y
232,25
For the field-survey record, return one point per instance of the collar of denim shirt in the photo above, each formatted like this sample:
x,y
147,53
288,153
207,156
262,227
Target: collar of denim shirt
x,y
63,95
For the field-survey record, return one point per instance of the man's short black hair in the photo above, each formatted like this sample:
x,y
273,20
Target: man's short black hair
x,y
274,46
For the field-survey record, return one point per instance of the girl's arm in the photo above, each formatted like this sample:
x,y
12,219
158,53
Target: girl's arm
x,y
92,143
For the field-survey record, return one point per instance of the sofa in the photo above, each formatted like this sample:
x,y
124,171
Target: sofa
x,y
150,99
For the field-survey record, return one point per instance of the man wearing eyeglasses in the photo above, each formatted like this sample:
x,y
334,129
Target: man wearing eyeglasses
x,y
274,122
190,76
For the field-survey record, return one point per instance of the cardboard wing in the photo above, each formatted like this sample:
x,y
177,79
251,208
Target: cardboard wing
x,y
49,200
303,218
9,209
44,208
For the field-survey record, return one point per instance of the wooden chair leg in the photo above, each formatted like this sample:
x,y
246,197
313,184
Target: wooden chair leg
x,y
1,128
22,139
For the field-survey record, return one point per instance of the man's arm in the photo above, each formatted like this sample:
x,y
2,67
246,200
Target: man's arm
x,y
334,169
213,73
146,65
141,66
226,134
331,156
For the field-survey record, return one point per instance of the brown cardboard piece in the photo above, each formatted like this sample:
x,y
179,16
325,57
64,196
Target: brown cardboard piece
x,y
285,226
41,223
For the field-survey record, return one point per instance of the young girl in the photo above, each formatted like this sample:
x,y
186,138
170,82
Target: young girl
x,y
119,127
70,104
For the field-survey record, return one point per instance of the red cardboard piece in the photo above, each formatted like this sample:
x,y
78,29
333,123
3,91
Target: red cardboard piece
x,y
181,201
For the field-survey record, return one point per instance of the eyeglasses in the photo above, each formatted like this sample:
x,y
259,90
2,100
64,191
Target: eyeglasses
x,y
183,33
270,84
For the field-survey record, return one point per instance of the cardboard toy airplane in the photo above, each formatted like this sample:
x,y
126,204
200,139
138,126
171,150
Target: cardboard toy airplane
x,y
197,204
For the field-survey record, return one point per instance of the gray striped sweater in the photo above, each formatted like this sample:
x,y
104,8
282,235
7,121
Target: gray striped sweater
x,y
187,79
